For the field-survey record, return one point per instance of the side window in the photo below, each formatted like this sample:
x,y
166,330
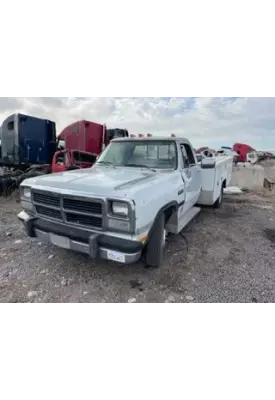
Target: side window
x,y
184,155
190,155
61,144
11,126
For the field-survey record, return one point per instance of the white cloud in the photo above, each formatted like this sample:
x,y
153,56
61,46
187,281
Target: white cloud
x,y
215,121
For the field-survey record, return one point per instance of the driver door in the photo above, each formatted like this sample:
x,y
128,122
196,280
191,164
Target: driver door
x,y
190,173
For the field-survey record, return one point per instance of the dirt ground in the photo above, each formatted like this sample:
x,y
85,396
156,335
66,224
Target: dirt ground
x,y
230,258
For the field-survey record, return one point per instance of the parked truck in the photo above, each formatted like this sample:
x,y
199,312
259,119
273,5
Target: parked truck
x,y
30,147
27,140
88,136
82,140
138,191
242,150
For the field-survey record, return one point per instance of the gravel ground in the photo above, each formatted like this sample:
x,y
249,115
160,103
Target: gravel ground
x,y
231,258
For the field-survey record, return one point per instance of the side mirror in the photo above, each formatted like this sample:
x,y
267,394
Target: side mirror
x,y
208,163
199,158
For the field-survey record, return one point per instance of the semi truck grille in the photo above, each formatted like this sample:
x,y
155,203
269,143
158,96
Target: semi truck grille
x,y
86,213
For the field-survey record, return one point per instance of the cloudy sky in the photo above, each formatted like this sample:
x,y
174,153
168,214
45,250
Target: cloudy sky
x,y
215,121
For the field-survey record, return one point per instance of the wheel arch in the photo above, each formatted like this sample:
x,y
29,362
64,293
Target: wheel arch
x,y
168,209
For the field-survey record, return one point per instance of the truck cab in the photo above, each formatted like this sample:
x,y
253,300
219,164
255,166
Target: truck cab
x,y
27,140
139,190
86,138
242,150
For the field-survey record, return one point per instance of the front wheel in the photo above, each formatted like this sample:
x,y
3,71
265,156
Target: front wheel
x,y
155,250
219,201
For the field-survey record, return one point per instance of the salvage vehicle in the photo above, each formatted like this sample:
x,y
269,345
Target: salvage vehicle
x,y
26,141
29,147
88,137
140,190
68,160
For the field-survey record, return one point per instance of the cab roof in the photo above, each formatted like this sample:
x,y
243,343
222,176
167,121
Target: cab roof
x,y
151,139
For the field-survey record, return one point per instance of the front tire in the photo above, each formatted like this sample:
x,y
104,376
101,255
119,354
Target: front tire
x,y
155,249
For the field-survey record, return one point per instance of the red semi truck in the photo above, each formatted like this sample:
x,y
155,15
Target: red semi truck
x,y
80,143
242,150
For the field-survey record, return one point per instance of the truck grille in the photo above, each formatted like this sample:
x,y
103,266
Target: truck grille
x,y
49,212
86,207
47,199
87,213
84,220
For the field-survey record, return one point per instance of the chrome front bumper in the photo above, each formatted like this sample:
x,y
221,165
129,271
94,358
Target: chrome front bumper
x,y
95,245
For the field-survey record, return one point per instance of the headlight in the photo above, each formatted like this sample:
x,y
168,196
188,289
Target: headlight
x,y
120,209
26,193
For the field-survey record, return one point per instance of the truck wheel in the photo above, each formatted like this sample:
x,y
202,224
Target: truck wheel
x,y
219,201
155,249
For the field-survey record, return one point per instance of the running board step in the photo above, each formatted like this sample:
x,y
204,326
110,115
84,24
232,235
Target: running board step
x,y
182,221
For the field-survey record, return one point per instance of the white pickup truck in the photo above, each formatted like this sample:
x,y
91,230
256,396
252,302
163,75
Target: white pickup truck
x,y
139,190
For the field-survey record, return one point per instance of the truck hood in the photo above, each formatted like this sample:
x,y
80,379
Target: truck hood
x,y
101,181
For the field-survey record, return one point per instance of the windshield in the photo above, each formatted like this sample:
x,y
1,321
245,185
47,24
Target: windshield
x,y
144,154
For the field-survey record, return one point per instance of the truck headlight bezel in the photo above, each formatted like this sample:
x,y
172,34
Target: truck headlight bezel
x,y
25,193
119,209
120,216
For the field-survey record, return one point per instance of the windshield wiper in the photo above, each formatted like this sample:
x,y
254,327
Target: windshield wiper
x,y
137,166
105,163
141,166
